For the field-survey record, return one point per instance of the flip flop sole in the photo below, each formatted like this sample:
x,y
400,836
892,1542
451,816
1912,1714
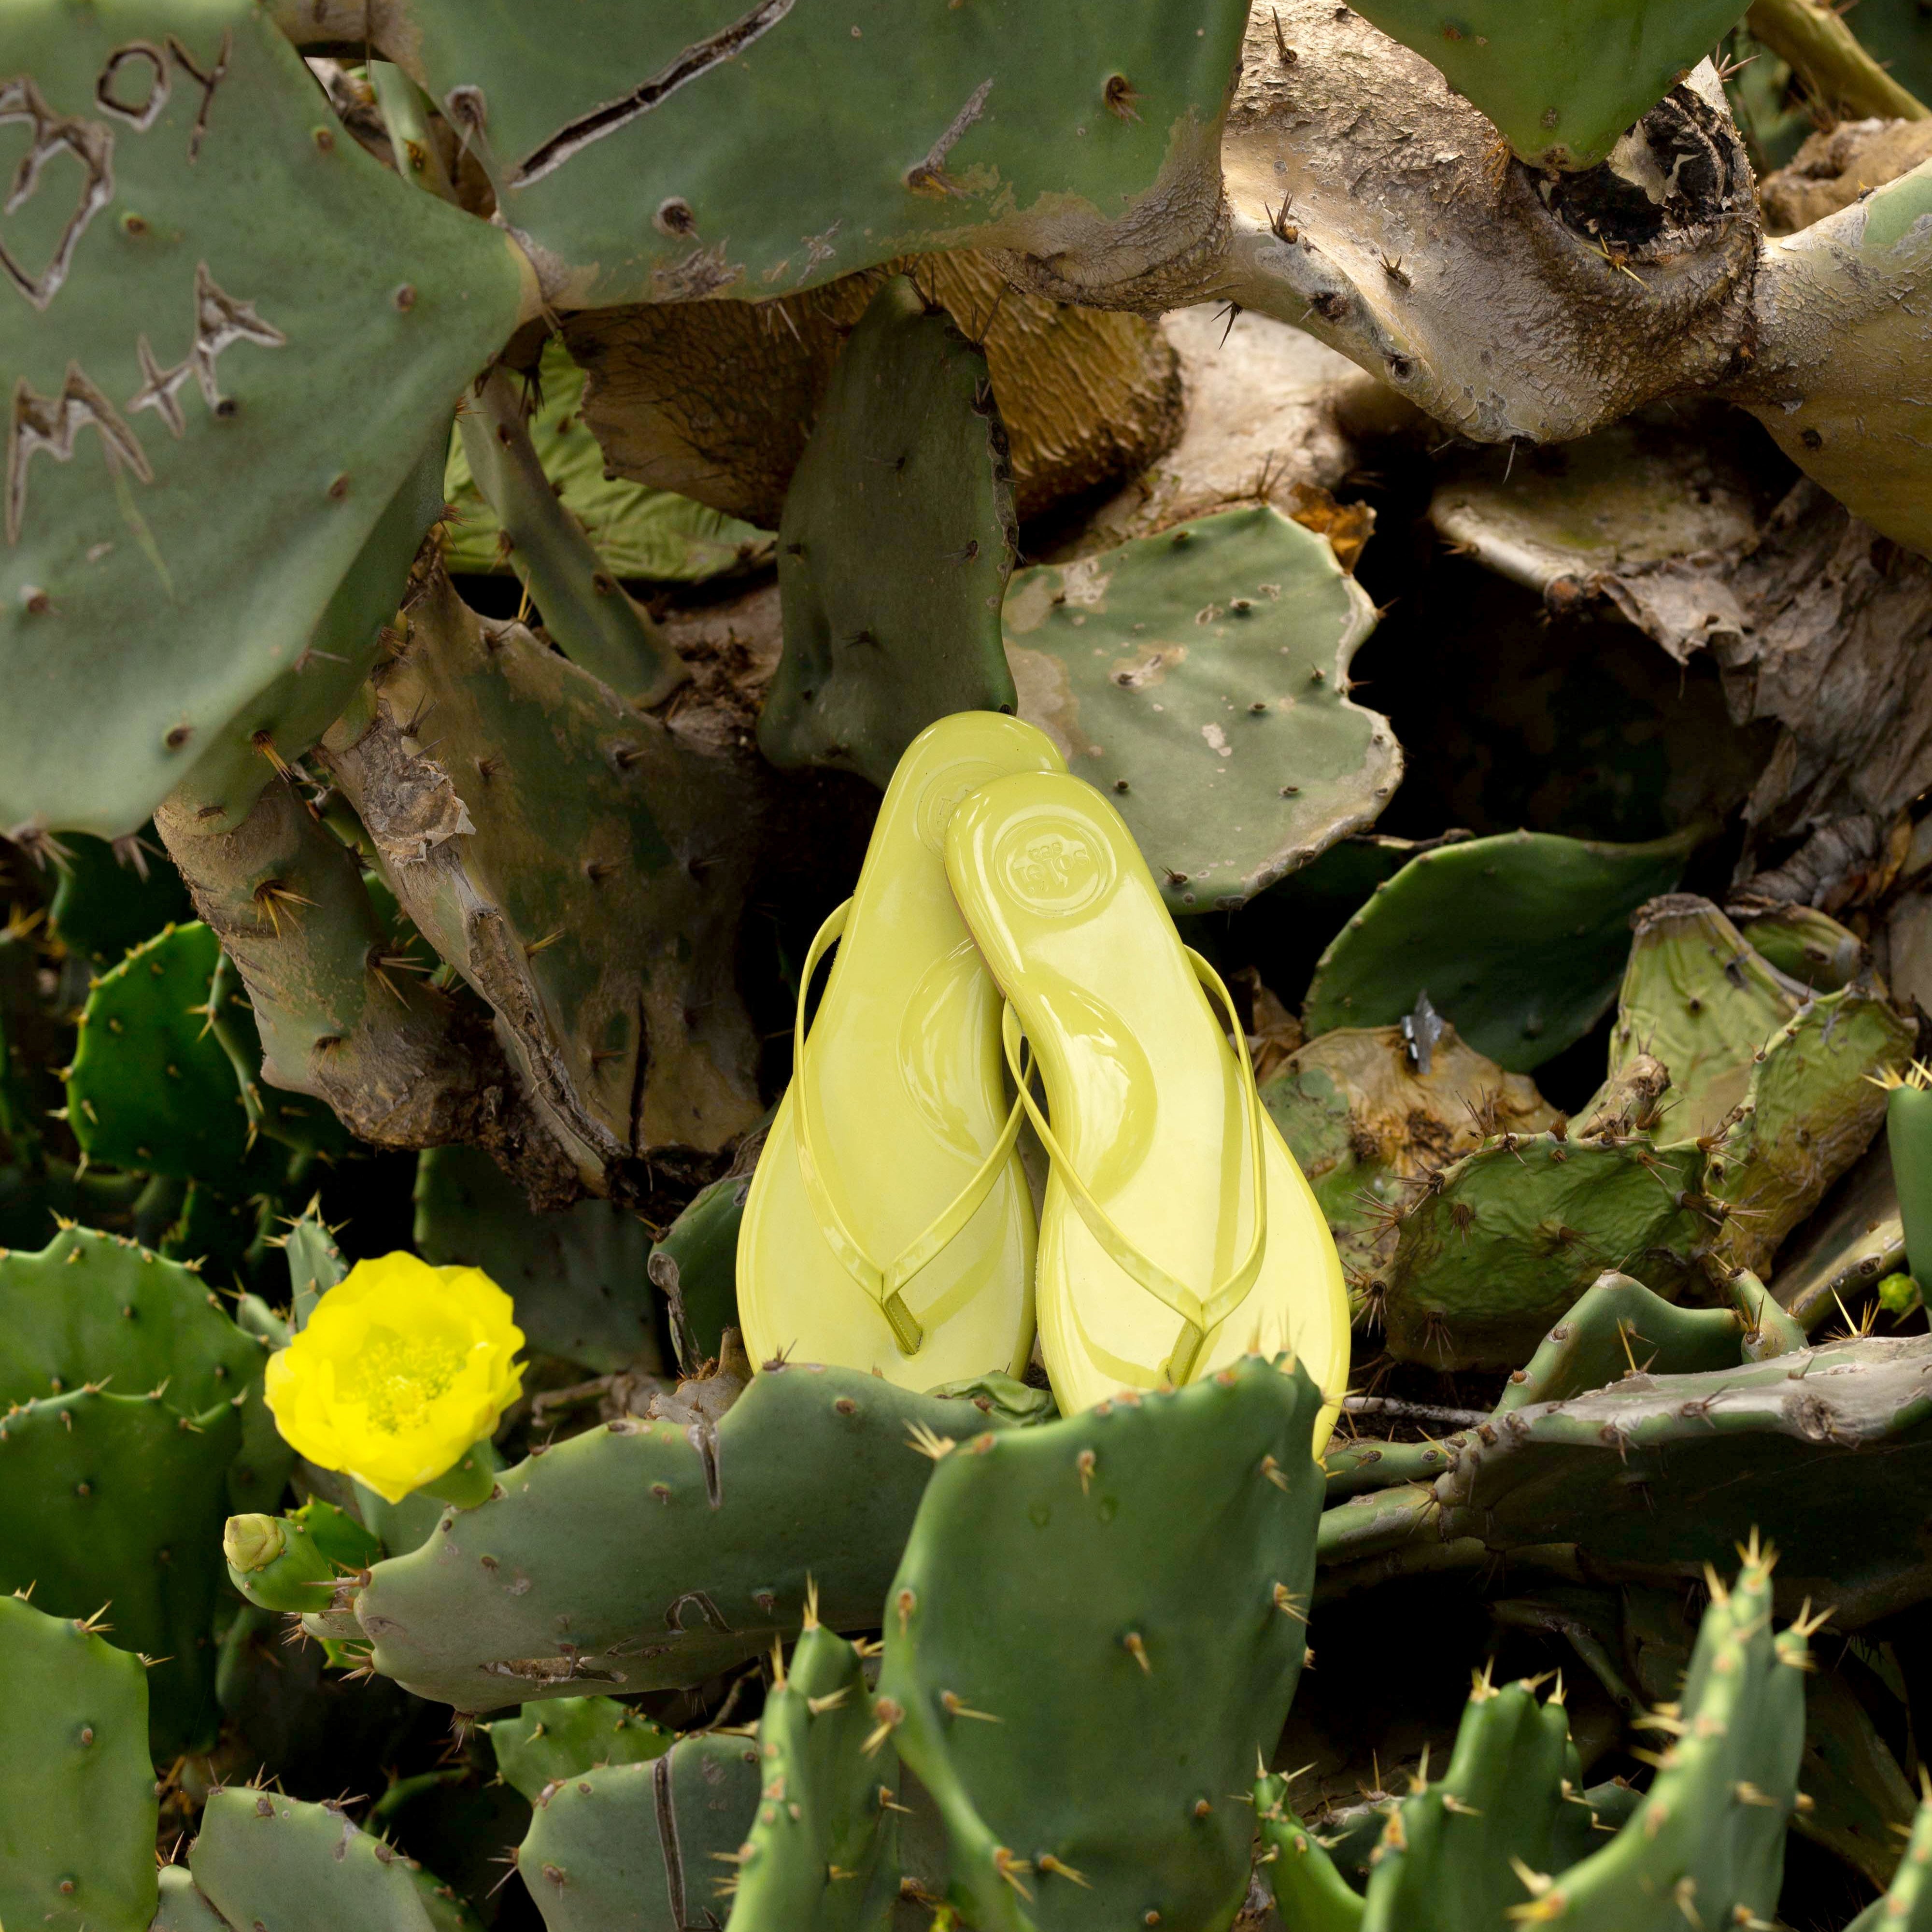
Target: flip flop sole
x,y
907,1099
1150,1107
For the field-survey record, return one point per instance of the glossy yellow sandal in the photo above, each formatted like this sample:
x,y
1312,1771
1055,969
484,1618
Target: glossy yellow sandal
x,y
1178,1233
889,1225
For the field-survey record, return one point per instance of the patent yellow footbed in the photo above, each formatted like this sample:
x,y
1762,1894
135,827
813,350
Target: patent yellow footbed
x,y
889,1225
1153,1262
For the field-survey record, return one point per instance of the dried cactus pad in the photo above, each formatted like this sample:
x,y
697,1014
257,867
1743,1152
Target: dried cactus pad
x,y
1562,79
184,467
654,154
1200,678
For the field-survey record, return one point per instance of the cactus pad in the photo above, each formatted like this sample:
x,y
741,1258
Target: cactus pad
x,y
177,470
263,1859
1200,678
1776,1444
1562,79
898,536
810,1475
1518,940
695,1266
649,156
1486,1261
584,868
644,1847
1089,1707
77,1809
110,898
818,1856
151,1088
1367,1124
569,1735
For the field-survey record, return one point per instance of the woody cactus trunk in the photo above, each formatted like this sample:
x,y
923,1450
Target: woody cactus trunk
x,y
496,497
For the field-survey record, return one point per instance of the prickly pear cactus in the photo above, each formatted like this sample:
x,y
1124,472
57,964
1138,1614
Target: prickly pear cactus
x,y
824,1452
582,866
176,370
1073,134
898,537
1200,678
262,1858
1504,1239
1369,1124
111,897
819,1853
644,1847
1518,940
77,1809
551,1742
1081,1718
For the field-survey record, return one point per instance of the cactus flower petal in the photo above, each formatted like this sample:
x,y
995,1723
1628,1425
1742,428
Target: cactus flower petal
x,y
401,1369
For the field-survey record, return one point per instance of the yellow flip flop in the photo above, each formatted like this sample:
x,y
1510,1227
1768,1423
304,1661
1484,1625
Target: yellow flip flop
x,y
1178,1233
889,1225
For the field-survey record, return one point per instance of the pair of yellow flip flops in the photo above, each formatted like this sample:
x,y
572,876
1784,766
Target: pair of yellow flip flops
x,y
1003,905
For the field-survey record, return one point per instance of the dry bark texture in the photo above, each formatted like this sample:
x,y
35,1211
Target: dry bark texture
x,y
716,399
1259,424
1384,215
1838,165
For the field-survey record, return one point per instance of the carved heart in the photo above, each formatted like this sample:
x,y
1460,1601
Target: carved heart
x,y
90,143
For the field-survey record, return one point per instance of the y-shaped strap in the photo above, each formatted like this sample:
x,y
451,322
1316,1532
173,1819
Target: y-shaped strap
x,y
884,1284
1200,1313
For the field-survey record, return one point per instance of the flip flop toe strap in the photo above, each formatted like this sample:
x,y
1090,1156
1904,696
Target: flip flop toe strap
x,y
1199,1314
885,1284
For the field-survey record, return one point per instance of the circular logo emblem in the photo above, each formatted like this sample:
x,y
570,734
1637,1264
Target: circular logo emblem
x,y
946,791
1054,864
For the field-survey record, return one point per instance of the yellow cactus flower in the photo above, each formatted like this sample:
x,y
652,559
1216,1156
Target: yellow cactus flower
x,y
402,1368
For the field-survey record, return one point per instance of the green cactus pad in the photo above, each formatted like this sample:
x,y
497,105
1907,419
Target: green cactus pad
x,y
1617,1326
77,1808
1709,1833
1908,1122
695,1266
92,1307
1697,997
897,539
1562,79
1200,678
583,866
1313,1895
569,1736
1805,945
1812,1108
119,1500
1518,940
1448,1855
1906,1905
105,903
1486,1261
316,1264
818,1857
1659,1475
1095,1703
810,1475
644,1847
151,1088
649,158
183,1906
577,1277
639,532
1367,1125
263,1859
181,470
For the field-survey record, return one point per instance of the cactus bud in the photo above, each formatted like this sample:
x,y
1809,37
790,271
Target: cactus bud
x,y
252,1543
